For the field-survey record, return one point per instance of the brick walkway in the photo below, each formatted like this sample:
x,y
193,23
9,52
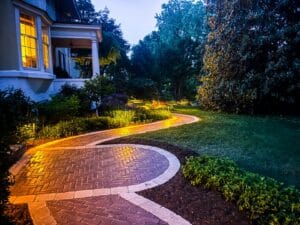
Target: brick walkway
x,y
73,181
101,210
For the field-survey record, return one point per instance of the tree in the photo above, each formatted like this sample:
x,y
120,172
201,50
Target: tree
x,y
172,56
251,61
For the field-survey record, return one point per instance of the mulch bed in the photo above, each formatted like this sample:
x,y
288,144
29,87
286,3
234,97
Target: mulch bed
x,y
19,214
197,205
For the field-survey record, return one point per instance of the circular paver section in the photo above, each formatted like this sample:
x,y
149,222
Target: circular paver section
x,y
64,170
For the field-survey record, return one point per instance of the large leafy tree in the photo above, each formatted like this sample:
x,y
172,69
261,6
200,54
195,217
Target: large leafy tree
x,y
251,59
170,59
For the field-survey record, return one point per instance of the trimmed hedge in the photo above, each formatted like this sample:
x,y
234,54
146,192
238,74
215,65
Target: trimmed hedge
x,y
265,200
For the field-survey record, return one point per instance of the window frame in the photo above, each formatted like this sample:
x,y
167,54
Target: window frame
x,y
45,28
30,37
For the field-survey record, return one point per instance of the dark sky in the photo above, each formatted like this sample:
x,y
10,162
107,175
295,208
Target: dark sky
x,y
135,16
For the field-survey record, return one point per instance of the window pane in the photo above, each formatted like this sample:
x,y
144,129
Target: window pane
x,y
28,41
22,27
45,46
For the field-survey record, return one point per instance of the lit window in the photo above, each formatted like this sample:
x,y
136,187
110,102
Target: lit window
x,y
28,41
45,37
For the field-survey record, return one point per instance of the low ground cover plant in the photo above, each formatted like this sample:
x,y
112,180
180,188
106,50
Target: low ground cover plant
x,y
265,200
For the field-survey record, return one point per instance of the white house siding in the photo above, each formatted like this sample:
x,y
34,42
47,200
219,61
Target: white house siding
x,y
28,87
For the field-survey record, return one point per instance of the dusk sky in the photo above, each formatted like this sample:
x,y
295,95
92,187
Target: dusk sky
x,y
135,16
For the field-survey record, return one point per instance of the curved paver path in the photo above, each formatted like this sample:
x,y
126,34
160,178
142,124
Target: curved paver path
x,y
74,181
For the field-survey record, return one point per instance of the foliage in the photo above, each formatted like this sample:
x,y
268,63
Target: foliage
x,y
251,61
113,49
143,114
98,88
15,110
63,129
112,119
84,101
121,118
261,144
265,200
114,101
166,63
59,108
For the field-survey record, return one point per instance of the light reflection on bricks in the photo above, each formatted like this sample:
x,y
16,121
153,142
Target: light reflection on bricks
x,y
82,169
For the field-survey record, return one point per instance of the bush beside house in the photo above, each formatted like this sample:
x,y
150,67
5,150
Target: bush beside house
x,y
15,109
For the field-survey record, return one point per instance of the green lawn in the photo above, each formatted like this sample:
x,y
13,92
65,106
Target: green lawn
x,y
267,145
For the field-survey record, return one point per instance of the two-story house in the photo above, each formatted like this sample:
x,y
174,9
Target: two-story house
x,y
36,42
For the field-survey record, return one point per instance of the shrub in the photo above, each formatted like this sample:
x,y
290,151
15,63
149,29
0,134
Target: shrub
x,y
59,108
265,200
114,101
63,129
85,103
15,109
112,119
121,118
143,114
97,123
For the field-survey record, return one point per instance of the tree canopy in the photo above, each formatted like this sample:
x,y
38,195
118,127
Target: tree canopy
x,y
242,56
168,61
252,57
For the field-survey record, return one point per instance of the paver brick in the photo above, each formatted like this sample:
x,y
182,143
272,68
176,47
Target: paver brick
x,y
104,210
65,170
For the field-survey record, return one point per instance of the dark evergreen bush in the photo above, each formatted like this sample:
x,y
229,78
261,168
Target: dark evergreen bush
x,y
114,101
15,109
85,103
59,108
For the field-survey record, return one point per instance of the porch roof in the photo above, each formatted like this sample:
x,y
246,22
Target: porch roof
x,y
76,31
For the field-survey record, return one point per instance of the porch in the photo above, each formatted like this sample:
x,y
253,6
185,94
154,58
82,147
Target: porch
x,y
75,53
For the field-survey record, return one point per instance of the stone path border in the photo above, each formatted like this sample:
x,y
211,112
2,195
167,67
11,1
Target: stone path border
x,y
41,214
156,209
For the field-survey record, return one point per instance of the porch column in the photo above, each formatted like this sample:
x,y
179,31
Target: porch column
x,y
95,58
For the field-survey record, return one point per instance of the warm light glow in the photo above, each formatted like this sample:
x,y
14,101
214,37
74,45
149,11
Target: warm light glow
x,y
28,41
170,122
37,163
45,38
127,154
125,131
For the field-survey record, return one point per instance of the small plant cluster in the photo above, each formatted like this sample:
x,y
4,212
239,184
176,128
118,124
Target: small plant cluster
x,y
146,115
265,200
112,119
